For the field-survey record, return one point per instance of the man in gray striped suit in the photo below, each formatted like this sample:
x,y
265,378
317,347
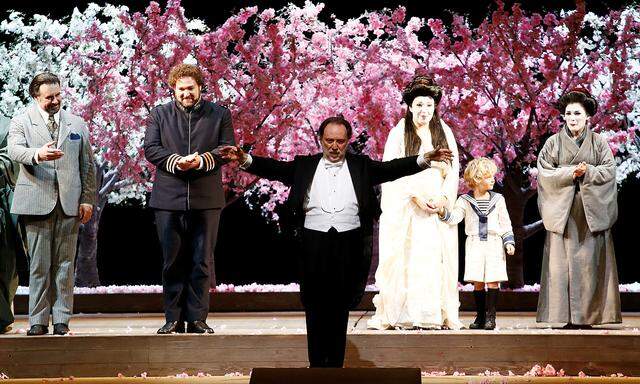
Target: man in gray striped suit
x,y
55,192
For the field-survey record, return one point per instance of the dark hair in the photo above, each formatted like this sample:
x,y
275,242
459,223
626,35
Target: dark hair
x,y
422,86
580,96
185,70
411,139
40,79
340,120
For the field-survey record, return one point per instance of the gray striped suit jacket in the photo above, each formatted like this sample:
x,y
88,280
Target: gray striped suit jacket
x,y
70,178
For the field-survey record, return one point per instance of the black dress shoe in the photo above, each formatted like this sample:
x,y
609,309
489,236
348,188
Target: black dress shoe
x,y
172,327
37,330
60,329
198,326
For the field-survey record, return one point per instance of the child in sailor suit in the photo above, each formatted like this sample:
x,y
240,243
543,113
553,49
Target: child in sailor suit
x,y
489,235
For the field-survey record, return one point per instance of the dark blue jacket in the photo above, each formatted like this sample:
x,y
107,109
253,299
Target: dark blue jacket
x,y
172,132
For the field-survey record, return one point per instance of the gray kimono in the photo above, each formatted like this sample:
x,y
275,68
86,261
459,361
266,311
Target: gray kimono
x,y
579,283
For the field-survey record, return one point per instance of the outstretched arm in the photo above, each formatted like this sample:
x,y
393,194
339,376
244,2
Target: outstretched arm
x,y
383,171
260,166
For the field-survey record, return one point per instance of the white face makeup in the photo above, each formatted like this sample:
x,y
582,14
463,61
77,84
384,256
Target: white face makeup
x,y
422,109
576,118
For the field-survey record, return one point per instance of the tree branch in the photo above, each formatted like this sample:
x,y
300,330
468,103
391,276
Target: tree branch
x,y
109,181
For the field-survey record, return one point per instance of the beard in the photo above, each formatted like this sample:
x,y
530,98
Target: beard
x,y
188,102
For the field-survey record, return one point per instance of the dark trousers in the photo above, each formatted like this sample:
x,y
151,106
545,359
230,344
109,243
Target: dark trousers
x,y
188,239
333,275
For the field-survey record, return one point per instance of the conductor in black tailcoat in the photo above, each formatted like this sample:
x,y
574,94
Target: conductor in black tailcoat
x,y
330,209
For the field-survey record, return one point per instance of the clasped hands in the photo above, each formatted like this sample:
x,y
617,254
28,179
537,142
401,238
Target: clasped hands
x,y
580,170
437,206
188,162
431,206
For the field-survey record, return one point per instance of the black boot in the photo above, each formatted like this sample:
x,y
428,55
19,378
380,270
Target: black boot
x,y
492,299
480,299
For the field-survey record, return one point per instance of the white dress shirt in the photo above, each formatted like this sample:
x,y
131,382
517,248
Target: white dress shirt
x,y
331,200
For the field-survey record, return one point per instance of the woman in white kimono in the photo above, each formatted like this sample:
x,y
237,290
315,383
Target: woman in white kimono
x,y
578,205
418,269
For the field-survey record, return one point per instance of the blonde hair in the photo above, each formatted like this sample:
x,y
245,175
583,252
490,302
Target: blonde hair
x,y
478,169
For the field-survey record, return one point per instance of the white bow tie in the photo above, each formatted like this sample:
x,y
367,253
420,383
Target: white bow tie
x,y
328,164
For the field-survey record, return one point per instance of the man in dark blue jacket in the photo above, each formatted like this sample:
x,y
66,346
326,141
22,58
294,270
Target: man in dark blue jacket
x,y
182,141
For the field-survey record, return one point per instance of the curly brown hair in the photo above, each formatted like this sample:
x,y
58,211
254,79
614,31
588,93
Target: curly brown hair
x,y
185,70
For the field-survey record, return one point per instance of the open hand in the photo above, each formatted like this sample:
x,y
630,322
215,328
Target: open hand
x,y
49,152
439,154
233,153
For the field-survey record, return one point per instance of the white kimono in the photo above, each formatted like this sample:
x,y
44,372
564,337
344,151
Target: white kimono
x,y
487,236
418,270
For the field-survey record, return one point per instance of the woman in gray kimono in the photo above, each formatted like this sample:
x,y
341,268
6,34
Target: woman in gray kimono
x,y
577,202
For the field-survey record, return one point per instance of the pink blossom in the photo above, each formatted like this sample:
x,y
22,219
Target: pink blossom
x,y
398,15
549,370
267,14
281,72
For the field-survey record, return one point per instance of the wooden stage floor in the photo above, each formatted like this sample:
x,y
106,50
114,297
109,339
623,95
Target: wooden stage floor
x,y
104,345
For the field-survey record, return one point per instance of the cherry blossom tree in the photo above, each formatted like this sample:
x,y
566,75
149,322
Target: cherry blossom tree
x,y
503,78
281,72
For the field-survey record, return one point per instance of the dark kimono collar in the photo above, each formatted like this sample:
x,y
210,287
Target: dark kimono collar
x,y
579,140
